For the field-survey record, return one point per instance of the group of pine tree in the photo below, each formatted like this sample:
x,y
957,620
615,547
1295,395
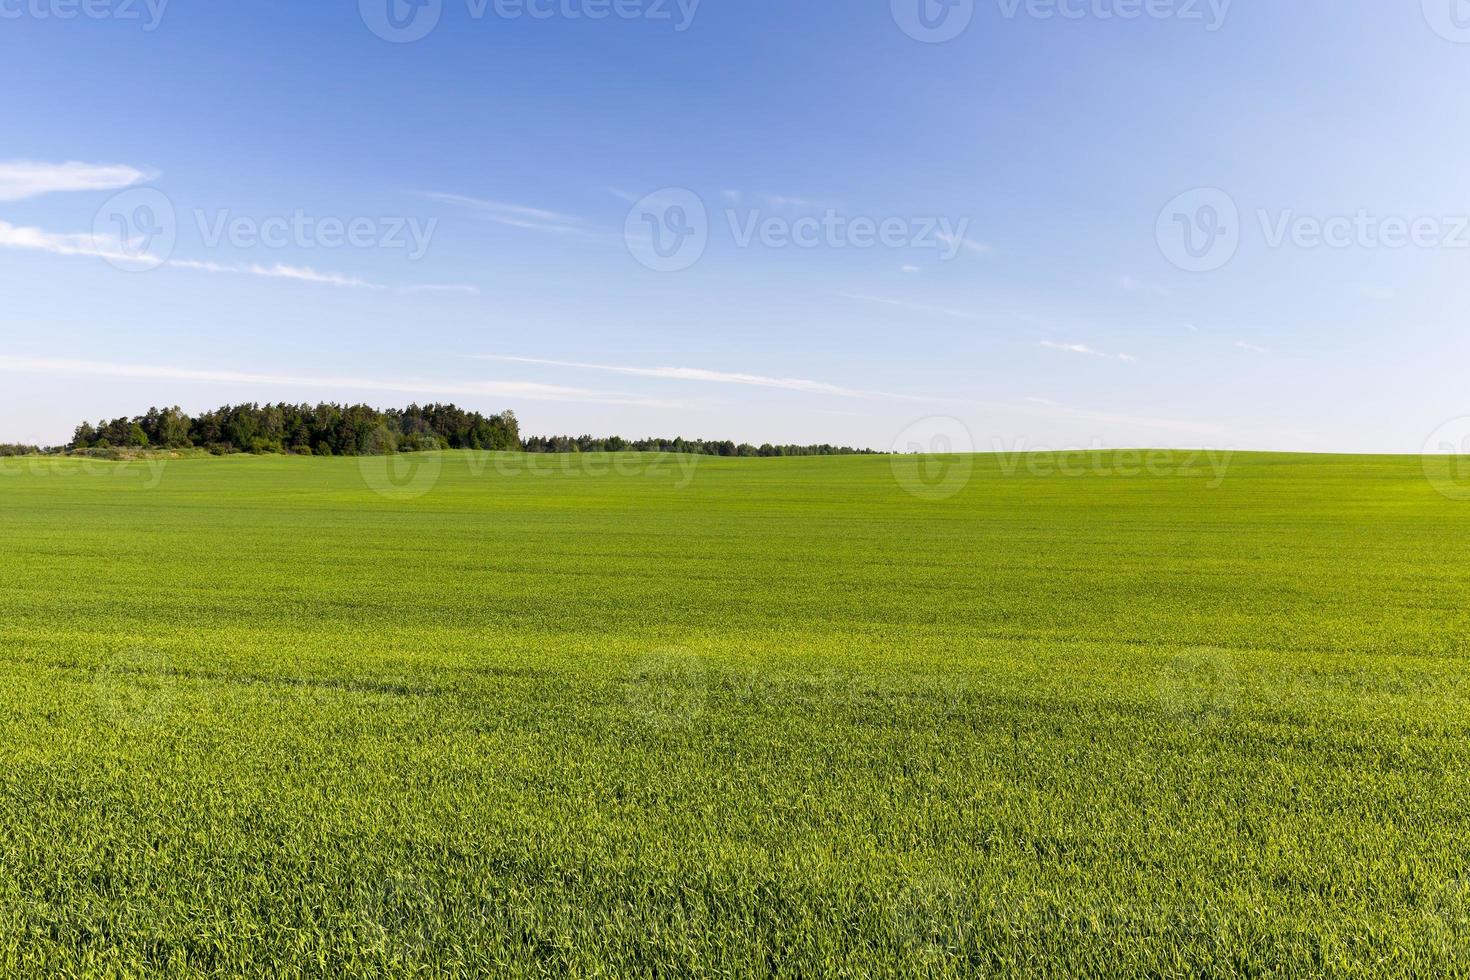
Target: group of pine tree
x,y
360,430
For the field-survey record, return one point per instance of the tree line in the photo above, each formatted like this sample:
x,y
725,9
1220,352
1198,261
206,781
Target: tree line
x,y
326,429
695,447
329,429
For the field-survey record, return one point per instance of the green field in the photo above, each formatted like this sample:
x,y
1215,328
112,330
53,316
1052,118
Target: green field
x,y
677,717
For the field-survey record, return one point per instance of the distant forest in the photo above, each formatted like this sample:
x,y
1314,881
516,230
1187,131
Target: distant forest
x,y
360,430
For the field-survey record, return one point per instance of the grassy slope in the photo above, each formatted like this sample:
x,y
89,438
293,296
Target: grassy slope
x,y
787,717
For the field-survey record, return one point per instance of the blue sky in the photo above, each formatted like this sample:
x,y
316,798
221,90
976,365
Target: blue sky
x,y
500,171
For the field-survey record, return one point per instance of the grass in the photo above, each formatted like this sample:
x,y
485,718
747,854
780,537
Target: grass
x,y
658,716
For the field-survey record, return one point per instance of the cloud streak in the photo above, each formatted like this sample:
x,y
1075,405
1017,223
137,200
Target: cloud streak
x,y
1084,349
21,180
912,307
441,288
111,249
524,390
713,377
959,241
520,216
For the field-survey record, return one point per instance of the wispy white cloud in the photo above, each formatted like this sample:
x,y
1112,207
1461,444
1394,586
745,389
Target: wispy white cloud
x,y
274,271
111,249
1084,349
910,269
1133,285
780,202
461,288
1253,348
34,239
1072,348
956,242
521,216
714,377
531,391
23,179
905,305
793,202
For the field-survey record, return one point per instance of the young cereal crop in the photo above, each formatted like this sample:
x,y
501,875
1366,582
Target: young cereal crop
x,y
643,716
